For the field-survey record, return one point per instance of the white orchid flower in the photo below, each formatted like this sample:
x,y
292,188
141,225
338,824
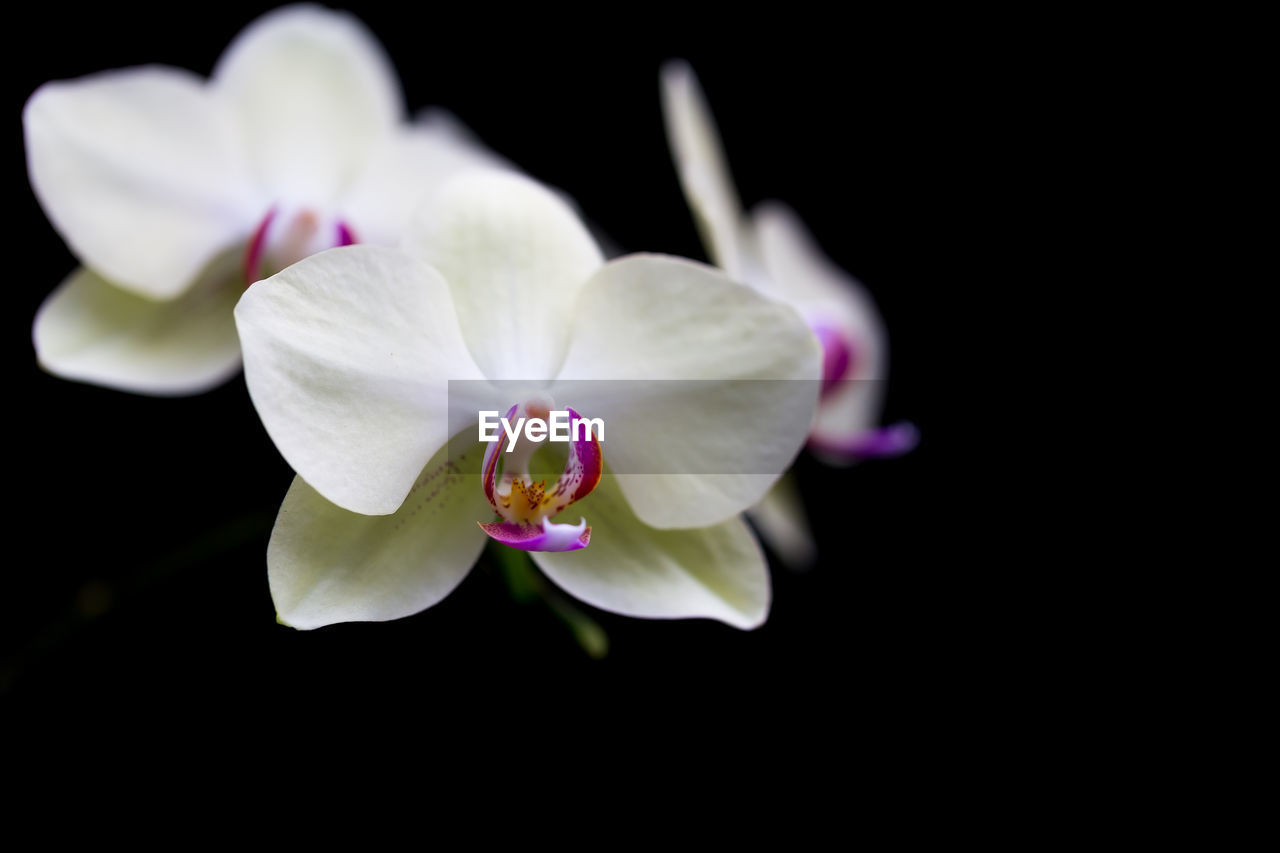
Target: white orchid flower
x,y
499,288
175,192
774,252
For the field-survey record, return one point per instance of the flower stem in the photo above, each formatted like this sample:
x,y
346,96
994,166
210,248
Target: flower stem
x,y
527,586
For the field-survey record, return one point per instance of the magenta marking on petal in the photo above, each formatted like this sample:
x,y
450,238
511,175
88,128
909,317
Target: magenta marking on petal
x,y
880,443
838,355
253,253
489,471
582,469
532,537
489,468
586,453
345,235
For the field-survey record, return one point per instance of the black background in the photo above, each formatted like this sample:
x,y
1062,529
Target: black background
x,y
136,579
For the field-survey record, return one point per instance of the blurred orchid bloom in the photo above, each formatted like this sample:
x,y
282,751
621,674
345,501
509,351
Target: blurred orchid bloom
x,y
773,252
175,192
499,288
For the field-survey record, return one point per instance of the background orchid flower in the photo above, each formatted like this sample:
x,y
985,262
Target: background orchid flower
x,y
773,252
175,192
499,288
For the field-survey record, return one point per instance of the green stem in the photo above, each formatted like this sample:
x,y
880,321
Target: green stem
x,y
527,586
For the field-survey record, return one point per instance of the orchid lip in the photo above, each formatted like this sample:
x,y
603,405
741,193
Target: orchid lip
x,y
839,356
545,537
526,507
884,442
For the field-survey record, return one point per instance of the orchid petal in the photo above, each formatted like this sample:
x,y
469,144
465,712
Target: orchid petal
x,y
546,536
781,522
849,410
515,256
92,331
314,94
409,167
714,572
690,453
824,293
703,168
328,565
140,173
347,357
834,300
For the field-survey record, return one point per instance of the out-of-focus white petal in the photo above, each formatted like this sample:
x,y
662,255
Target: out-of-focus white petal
x,y
515,256
819,289
828,296
328,565
850,409
92,331
409,167
780,520
347,356
314,95
714,572
690,453
141,174
703,169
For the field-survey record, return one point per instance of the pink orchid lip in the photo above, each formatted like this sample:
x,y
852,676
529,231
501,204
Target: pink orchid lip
x,y
838,355
581,475
256,249
532,537
880,443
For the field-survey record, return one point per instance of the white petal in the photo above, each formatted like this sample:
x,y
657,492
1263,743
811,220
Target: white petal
x,y
714,572
703,168
851,409
826,294
515,256
780,520
314,94
690,453
347,356
140,172
328,565
410,167
808,279
92,331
